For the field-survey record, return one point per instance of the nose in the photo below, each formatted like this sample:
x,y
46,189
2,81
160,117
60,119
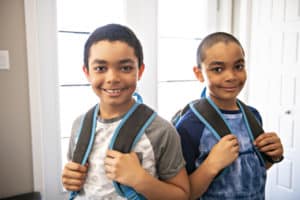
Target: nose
x,y
230,75
112,76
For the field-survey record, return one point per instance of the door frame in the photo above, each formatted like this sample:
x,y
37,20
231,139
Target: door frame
x,y
41,41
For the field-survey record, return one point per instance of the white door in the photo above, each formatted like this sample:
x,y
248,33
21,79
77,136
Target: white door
x,y
274,86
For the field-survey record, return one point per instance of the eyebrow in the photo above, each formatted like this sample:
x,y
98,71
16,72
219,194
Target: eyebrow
x,y
127,60
123,61
215,63
241,60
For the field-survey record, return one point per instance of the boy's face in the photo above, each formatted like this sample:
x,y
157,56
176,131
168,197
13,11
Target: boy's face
x,y
223,72
113,73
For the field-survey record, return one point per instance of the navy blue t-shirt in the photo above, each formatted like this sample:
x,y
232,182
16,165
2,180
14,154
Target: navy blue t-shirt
x,y
245,178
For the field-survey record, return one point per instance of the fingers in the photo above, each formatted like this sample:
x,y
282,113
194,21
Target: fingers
x,y
72,166
73,176
266,138
231,140
270,144
122,167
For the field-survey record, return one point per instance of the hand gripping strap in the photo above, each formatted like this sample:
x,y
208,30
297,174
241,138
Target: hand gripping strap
x,y
127,134
254,128
85,140
131,127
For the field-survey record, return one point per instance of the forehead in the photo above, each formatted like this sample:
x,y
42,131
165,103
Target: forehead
x,y
111,50
224,51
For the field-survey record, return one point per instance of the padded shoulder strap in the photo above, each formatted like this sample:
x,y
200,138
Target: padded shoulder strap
x,y
210,117
255,127
85,137
134,125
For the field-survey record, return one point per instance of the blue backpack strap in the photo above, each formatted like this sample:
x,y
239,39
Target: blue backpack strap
x,y
127,134
208,115
207,112
85,140
253,127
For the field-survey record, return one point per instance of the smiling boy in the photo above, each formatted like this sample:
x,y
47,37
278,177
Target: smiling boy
x,y
113,64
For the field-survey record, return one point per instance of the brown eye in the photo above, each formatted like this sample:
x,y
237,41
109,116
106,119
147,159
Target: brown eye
x,y
126,68
240,67
217,69
100,68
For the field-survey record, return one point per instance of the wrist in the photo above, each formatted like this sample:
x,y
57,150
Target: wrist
x,y
139,181
274,160
212,168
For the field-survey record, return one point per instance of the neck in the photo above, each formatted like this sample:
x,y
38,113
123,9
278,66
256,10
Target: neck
x,y
112,111
225,104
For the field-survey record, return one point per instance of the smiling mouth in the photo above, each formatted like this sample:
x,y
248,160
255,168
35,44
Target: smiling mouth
x,y
114,91
229,88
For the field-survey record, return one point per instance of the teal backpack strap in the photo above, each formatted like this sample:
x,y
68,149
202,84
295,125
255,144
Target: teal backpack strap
x,y
125,137
86,136
210,117
213,120
85,140
254,127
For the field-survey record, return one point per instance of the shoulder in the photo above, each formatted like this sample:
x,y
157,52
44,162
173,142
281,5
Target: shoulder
x,y
256,113
189,121
161,126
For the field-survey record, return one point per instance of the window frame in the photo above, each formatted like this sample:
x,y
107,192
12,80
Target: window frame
x,y
42,61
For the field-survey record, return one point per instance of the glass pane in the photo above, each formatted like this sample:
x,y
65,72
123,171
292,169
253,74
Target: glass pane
x,y
74,101
176,58
70,58
86,15
64,150
181,92
184,19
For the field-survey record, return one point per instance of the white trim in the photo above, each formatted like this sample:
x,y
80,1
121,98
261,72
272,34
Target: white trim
x,y
145,27
40,22
34,93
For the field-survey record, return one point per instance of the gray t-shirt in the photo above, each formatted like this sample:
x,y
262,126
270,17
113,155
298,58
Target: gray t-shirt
x,y
159,150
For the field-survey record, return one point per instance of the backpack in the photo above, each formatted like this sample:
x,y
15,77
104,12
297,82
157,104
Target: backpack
x,y
125,137
208,113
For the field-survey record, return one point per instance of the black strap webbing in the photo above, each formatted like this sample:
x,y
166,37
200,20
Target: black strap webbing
x,y
131,128
209,113
254,125
84,137
125,138
212,117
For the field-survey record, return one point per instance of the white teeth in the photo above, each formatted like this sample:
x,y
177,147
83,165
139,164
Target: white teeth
x,y
113,90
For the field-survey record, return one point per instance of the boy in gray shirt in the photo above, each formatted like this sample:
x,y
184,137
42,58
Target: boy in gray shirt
x,y
113,63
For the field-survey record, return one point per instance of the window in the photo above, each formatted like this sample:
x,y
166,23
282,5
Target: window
x,y
179,32
75,21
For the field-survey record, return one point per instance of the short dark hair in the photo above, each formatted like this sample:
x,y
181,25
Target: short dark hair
x,y
114,32
211,40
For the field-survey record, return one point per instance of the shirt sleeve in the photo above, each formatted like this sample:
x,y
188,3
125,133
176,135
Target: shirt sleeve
x,y
167,149
72,140
190,130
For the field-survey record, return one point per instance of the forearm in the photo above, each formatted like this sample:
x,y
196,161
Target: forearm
x,y
173,189
268,165
201,179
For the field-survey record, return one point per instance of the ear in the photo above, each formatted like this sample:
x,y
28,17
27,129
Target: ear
x,y
198,73
86,72
141,71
